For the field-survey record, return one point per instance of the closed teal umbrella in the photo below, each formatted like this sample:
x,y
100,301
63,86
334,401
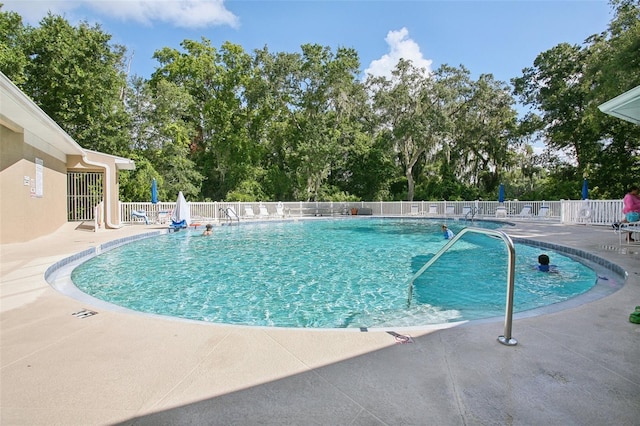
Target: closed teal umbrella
x,y
154,192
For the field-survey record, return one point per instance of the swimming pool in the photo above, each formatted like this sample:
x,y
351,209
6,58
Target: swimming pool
x,y
325,274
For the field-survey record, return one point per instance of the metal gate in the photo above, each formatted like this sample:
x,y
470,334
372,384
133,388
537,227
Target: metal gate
x,y
84,192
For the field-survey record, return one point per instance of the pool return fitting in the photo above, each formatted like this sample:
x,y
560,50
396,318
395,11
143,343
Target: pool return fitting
x,y
505,339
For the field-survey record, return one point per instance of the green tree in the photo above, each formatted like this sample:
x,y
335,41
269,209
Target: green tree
x,y
13,58
76,77
269,101
135,185
171,141
614,68
162,135
565,86
216,81
485,134
556,86
320,116
407,106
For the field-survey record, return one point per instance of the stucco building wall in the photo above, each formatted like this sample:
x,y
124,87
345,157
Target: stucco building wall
x,y
33,203
35,157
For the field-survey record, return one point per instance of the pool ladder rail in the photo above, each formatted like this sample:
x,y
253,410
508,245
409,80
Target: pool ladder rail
x,y
505,339
229,214
471,214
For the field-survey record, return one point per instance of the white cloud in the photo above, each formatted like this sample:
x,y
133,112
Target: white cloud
x,y
33,11
178,13
400,47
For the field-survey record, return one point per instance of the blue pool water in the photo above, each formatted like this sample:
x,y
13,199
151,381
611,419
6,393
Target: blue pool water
x,y
326,274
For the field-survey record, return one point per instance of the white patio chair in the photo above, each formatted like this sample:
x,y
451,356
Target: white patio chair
x,y
543,213
140,214
525,213
263,212
163,216
248,212
628,233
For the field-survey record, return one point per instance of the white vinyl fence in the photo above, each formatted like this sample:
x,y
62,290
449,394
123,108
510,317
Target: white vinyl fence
x,y
589,212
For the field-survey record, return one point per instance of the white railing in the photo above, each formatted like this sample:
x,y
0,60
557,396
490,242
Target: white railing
x,y
590,212
595,212
155,212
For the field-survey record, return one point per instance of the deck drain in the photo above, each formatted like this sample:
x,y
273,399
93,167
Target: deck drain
x,y
84,313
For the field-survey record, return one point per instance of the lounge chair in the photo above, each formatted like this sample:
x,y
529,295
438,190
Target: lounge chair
x,y
140,214
263,211
501,212
433,209
163,216
450,211
415,210
525,213
543,213
280,209
248,212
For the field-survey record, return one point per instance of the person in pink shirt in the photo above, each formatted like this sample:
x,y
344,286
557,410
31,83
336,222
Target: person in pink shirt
x,y
631,205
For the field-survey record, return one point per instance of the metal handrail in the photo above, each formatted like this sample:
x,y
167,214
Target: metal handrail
x,y
228,213
471,212
505,339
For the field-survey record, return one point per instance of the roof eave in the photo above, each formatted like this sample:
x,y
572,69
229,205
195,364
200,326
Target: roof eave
x,y
625,106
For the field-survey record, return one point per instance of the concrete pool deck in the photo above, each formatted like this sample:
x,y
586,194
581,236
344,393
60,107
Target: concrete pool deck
x,y
580,366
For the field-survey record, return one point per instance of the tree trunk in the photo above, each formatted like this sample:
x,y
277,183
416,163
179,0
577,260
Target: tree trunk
x,y
410,184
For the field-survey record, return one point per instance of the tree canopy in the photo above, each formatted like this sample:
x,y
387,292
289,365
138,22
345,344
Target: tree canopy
x,y
220,123
566,84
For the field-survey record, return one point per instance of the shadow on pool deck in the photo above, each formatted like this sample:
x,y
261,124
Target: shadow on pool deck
x,y
574,367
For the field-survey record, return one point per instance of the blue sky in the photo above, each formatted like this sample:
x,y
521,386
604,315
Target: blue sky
x,y
497,37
